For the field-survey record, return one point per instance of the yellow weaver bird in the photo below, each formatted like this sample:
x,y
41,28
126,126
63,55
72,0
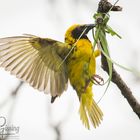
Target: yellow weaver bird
x,y
47,65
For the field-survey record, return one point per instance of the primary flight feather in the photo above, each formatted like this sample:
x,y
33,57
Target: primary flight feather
x,y
47,65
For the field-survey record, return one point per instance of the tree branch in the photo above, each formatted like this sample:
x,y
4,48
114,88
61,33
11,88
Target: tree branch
x,y
104,7
125,90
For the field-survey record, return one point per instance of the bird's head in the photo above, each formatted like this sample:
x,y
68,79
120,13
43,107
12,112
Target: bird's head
x,y
77,31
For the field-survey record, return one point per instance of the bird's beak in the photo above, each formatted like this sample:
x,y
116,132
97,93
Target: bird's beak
x,y
89,27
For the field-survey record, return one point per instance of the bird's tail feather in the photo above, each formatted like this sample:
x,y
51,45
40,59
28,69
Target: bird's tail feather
x,y
89,110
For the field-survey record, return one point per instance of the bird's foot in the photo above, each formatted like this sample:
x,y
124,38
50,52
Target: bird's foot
x,y
97,80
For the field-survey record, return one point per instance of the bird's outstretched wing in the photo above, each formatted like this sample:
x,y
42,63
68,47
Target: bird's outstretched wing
x,y
37,61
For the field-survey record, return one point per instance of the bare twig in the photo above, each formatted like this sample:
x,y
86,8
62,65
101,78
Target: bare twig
x,y
17,89
57,127
12,94
104,6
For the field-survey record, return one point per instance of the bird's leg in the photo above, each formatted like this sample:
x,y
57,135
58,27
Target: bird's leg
x,y
97,80
87,84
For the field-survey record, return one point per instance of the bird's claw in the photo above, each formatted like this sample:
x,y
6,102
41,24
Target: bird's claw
x,y
97,80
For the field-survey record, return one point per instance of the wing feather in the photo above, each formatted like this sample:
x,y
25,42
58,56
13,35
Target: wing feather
x,y
23,63
25,69
41,78
36,61
36,73
32,68
47,81
14,58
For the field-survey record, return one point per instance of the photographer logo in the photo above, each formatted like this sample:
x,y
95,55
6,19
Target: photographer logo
x,y
8,130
